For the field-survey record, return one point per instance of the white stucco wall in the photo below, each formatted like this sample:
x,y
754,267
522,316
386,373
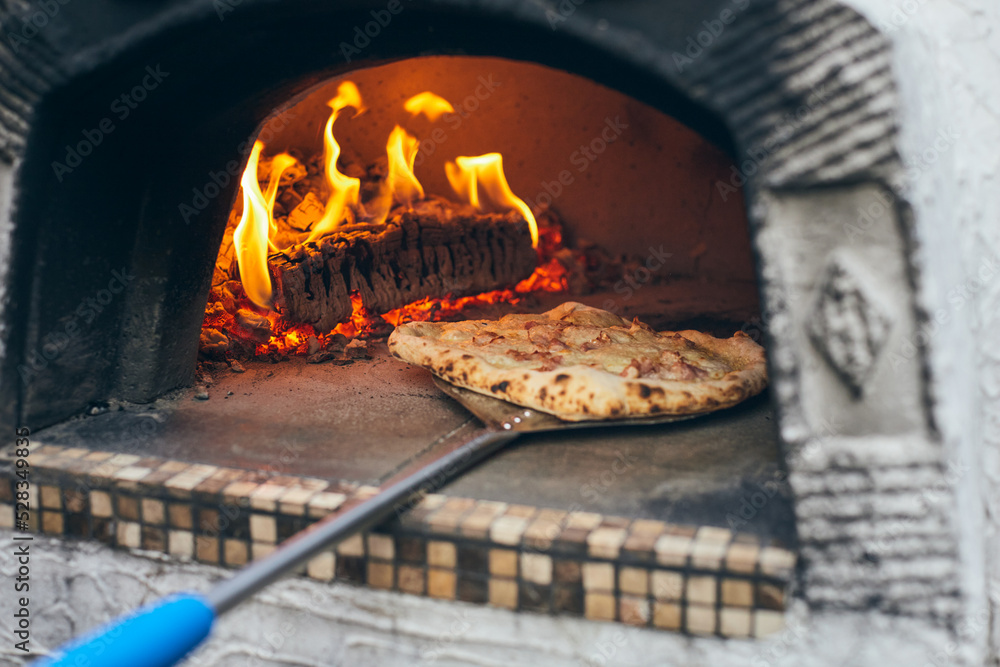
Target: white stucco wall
x,y
947,62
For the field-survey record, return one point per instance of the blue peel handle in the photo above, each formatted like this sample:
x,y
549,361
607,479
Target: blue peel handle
x,y
157,635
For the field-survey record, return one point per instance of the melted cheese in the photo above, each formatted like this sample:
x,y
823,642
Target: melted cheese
x,y
533,343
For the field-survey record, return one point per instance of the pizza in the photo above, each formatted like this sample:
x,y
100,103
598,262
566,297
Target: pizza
x,y
581,363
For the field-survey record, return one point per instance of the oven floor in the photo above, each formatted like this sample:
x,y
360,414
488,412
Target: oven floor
x,y
365,421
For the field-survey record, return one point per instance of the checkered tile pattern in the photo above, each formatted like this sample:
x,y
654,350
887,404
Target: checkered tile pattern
x,y
699,580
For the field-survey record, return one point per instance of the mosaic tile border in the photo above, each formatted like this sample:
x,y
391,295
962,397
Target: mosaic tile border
x,y
698,580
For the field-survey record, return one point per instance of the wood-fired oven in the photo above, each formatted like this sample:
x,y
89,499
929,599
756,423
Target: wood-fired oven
x,y
728,166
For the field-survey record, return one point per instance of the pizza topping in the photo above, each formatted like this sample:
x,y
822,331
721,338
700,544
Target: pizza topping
x,y
546,336
681,370
670,366
640,325
620,336
601,340
546,362
639,368
485,338
606,366
553,324
677,338
669,357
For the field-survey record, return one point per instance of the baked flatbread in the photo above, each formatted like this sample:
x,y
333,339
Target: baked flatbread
x,y
581,363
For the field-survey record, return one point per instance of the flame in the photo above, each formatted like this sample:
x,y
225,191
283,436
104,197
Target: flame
x,y
250,236
401,184
470,177
344,190
279,163
429,104
466,174
401,181
463,182
359,317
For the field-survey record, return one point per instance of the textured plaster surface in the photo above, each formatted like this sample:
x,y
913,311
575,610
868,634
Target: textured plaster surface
x,y
309,624
947,59
803,239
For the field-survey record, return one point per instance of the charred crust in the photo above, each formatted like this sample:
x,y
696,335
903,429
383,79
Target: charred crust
x,y
466,357
646,391
562,377
499,387
543,393
449,368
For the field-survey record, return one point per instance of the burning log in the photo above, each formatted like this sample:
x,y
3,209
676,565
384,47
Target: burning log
x,y
429,250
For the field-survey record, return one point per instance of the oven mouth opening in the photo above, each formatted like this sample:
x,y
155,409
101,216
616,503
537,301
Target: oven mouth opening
x,y
464,187
629,220
295,388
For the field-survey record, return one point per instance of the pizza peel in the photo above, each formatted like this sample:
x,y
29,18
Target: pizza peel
x,y
164,632
500,415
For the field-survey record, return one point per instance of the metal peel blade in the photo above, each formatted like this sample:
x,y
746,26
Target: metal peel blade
x,y
502,415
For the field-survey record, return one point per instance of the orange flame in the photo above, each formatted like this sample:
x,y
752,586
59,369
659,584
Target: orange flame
x,y
279,163
344,190
401,181
466,174
429,104
359,316
250,236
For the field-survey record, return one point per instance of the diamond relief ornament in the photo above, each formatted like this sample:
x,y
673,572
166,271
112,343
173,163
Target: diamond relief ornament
x,y
849,324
